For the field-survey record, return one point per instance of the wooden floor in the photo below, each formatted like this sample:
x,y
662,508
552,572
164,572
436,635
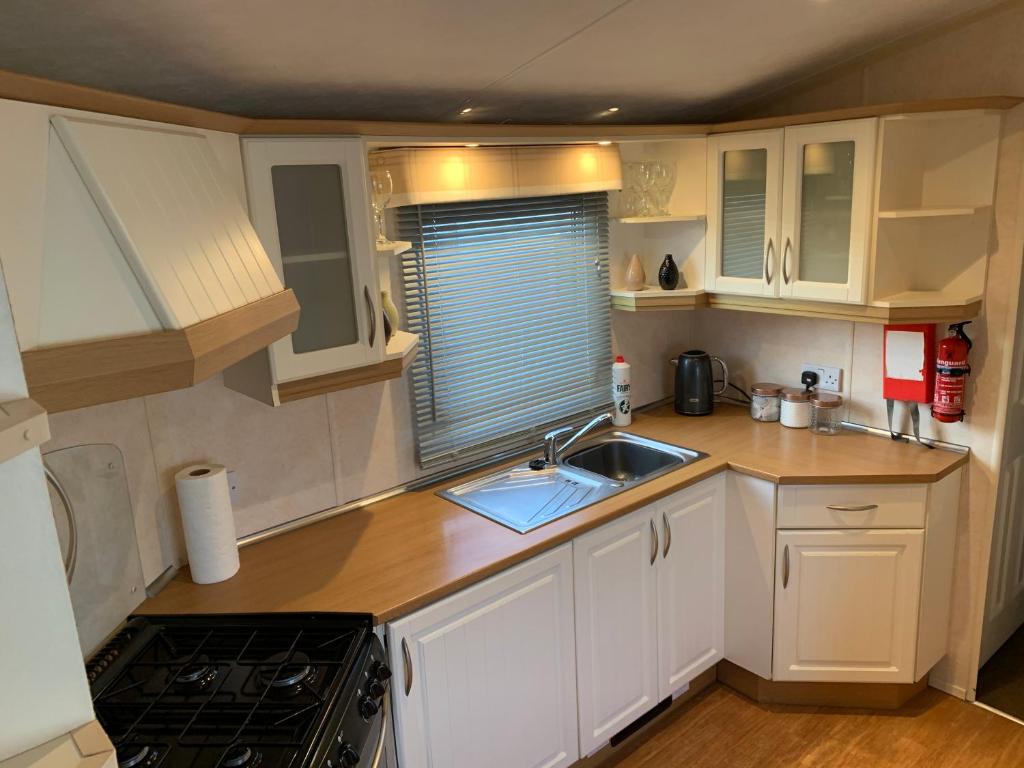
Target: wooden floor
x,y
724,729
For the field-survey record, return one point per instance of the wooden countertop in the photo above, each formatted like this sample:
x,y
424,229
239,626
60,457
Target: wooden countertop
x,y
403,553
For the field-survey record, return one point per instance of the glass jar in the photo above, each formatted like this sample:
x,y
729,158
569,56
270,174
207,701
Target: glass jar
x,y
795,410
826,413
765,402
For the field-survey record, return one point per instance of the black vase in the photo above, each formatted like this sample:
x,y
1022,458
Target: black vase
x,y
668,274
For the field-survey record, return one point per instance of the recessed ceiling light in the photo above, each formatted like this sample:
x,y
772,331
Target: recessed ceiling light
x,y
472,145
465,110
604,143
613,109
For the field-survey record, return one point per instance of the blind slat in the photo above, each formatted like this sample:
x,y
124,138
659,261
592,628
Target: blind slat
x,y
510,299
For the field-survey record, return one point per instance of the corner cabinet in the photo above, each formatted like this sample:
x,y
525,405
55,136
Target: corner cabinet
x,y
309,203
487,677
649,607
790,211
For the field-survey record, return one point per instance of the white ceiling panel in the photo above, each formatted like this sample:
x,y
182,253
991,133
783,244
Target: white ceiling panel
x,y
518,61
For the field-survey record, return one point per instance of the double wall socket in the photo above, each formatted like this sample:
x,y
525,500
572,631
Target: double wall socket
x,y
829,379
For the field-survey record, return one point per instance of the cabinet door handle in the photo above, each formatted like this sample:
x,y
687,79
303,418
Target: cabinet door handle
x,y
785,261
372,313
654,542
852,507
668,534
785,567
407,666
767,260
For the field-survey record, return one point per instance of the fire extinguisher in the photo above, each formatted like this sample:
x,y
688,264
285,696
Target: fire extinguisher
x,y
951,371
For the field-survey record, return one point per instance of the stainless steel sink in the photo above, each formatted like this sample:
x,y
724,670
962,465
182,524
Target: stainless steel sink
x,y
628,458
523,498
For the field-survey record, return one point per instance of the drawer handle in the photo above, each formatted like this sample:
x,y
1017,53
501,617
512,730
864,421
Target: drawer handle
x,y
852,507
407,664
785,567
668,534
654,542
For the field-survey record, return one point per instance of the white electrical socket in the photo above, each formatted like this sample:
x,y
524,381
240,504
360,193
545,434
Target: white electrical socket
x,y
829,379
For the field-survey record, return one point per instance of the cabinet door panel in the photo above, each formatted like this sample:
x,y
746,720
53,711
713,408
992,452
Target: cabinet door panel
x,y
491,673
616,622
828,175
308,203
691,584
744,186
846,605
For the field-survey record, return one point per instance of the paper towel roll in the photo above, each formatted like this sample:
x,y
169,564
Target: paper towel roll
x,y
205,503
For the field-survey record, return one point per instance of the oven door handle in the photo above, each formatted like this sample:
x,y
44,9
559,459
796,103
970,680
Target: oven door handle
x,y
378,753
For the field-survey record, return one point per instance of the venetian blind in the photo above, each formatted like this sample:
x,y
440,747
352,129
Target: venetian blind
x,y
510,299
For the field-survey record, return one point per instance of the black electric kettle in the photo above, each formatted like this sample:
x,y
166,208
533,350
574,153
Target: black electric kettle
x,y
695,386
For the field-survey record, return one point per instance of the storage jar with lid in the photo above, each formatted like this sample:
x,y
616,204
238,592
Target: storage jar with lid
x,y
764,401
826,418
795,410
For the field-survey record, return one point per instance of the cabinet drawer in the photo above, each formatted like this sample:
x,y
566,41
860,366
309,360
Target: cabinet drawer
x,y
852,506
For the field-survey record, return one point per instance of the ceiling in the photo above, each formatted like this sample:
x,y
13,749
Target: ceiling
x,y
519,61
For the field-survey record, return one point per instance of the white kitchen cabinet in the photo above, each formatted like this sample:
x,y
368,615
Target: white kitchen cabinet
x,y
846,605
744,205
309,202
616,625
691,584
749,572
649,606
827,192
487,677
790,211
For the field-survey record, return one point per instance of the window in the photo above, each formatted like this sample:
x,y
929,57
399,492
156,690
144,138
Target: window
x,y
510,299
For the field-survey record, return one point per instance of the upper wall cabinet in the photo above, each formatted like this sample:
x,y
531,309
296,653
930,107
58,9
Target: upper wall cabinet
x,y
789,211
308,200
744,206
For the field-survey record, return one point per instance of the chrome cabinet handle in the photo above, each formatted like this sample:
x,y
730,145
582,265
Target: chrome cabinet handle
x,y
654,542
785,260
407,666
373,314
852,507
785,567
668,534
768,276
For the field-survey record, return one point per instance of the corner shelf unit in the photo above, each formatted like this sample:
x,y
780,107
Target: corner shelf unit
x,y
655,299
660,219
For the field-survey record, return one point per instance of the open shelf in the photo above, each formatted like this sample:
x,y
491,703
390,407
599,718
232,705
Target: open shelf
x,y
926,213
402,343
395,248
654,299
660,219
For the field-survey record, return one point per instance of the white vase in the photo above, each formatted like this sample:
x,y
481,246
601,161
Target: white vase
x,y
636,279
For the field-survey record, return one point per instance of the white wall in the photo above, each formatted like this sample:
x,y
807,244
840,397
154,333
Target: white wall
x,y
44,692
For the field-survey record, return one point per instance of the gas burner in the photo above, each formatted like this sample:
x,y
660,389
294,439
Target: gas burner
x,y
196,676
132,755
288,679
240,756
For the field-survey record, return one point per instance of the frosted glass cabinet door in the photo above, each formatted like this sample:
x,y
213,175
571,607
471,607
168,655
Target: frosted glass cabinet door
x,y
744,188
827,190
308,202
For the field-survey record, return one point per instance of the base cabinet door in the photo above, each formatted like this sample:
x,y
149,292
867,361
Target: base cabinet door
x,y
691,584
487,677
846,605
616,621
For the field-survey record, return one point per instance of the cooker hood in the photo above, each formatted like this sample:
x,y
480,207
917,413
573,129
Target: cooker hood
x,y
153,277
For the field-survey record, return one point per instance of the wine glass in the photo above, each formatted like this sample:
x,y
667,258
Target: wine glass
x,y
383,186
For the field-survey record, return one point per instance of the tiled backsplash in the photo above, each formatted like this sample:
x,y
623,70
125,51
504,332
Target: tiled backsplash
x,y
300,458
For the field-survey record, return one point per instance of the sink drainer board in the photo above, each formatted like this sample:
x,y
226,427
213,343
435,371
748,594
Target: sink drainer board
x,y
522,499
